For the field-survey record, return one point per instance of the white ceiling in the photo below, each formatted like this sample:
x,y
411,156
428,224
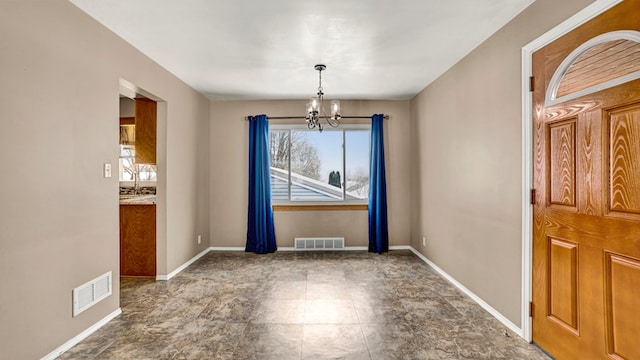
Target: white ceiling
x,y
266,49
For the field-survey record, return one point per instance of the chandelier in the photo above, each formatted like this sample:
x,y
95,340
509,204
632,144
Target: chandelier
x,y
315,107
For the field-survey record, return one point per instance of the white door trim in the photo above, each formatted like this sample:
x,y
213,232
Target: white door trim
x,y
568,25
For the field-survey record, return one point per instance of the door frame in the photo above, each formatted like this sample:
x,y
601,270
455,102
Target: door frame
x,y
130,90
586,14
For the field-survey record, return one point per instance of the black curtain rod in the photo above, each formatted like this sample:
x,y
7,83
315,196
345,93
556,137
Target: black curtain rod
x,y
386,117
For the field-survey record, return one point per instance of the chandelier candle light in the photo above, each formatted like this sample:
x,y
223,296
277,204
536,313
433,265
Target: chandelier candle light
x,y
315,108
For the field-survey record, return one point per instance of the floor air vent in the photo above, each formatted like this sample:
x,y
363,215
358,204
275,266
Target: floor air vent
x,y
319,243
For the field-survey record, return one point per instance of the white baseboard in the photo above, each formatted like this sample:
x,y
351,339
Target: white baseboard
x,y
289,248
227,248
346,248
495,313
83,335
183,266
354,248
284,248
400,247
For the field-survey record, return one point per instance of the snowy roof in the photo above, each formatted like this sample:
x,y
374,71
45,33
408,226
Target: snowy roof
x,y
304,188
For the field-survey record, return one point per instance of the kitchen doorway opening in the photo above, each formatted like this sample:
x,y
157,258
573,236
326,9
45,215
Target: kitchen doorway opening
x,y
142,183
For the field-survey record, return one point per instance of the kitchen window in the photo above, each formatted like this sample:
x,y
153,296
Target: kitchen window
x,y
130,171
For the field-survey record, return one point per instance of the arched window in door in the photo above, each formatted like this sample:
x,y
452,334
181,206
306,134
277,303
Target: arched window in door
x,y
605,61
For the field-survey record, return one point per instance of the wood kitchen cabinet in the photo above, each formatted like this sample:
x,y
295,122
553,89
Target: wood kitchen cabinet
x,y
146,112
138,240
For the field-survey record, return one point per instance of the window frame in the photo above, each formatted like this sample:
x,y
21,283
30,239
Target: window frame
x,y
320,202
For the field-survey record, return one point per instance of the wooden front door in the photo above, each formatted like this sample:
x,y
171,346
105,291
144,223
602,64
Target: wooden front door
x,y
586,237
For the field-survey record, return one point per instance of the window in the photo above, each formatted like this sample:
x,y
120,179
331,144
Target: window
x,y
130,171
308,165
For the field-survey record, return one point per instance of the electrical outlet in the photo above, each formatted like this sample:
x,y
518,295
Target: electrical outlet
x,y
107,170
424,241
199,239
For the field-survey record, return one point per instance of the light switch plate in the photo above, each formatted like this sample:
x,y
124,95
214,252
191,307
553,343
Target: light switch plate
x,y
107,170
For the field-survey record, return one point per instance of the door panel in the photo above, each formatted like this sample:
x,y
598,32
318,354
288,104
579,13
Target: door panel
x,y
563,284
562,163
624,159
622,283
586,225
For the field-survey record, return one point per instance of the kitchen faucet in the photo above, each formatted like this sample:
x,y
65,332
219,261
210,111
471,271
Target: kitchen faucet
x,y
136,182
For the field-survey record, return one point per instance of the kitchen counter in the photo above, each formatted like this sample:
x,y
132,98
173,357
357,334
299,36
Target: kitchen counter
x,y
137,199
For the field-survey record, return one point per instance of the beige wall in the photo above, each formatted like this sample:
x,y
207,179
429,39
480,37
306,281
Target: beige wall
x,y
59,113
228,166
466,141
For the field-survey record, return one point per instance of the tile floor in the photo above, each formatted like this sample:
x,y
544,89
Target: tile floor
x,y
301,305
